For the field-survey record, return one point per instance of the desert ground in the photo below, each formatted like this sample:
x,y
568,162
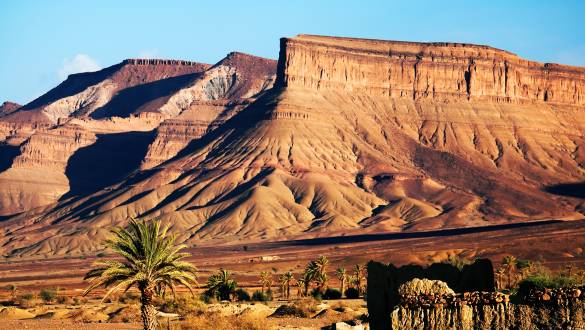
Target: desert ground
x,y
555,244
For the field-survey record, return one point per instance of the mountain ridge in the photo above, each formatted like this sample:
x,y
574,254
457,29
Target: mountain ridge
x,y
347,141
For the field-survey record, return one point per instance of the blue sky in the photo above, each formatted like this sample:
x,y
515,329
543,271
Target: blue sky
x,y
43,41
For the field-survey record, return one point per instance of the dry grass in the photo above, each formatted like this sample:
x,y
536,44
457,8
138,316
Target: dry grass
x,y
205,321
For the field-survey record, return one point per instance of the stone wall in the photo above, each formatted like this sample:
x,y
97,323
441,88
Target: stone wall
x,y
384,280
568,315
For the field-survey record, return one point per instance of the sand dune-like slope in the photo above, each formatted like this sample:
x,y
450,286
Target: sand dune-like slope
x,y
356,135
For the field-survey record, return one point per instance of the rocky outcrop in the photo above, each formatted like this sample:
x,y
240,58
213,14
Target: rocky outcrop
x,y
36,176
7,108
436,71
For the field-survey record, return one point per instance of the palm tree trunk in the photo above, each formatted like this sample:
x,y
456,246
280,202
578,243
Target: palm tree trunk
x,y
148,311
342,286
288,291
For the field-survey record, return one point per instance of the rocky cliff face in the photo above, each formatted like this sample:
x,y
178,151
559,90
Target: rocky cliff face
x,y
436,71
36,176
221,92
356,136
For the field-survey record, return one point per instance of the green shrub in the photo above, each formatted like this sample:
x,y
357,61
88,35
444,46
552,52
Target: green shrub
x,y
331,293
352,293
541,282
316,294
48,295
242,295
262,296
27,296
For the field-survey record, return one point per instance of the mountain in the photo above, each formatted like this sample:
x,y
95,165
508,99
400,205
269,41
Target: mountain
x,y
96,128
357,135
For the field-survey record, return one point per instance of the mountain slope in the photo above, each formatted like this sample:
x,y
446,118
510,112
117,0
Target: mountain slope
x,y
96,128
357,135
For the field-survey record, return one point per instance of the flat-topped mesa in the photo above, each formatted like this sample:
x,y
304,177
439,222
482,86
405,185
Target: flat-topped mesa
x,y
438,71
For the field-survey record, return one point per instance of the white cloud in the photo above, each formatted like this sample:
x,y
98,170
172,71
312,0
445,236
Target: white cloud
x,y
148,53
79,63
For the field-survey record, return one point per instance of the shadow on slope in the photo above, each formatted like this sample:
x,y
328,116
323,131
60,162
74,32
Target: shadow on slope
x,y
111,158
568,189
130,99
7,155
74,84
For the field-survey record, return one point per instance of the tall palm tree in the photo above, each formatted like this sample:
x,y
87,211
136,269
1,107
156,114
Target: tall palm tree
x,y
285,280
342,276
359,274
221,285
151,261
311,272
510,262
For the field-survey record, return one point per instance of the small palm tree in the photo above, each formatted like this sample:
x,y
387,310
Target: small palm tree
x,y
500,272
151,261
359,273
265,280
221,285
285,280
321,281
300,286
342,276
510,263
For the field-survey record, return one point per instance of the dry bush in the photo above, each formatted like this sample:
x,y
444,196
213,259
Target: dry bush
x,y
309,306
204,321
28,300
128,314
183,305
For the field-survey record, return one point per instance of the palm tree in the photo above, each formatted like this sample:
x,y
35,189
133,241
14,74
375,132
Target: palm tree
x,y
300,285
285,280
510,263
221,285
315,271
359,274
264,280
151,261
342,276
322,263
500,275
321,281
309,275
